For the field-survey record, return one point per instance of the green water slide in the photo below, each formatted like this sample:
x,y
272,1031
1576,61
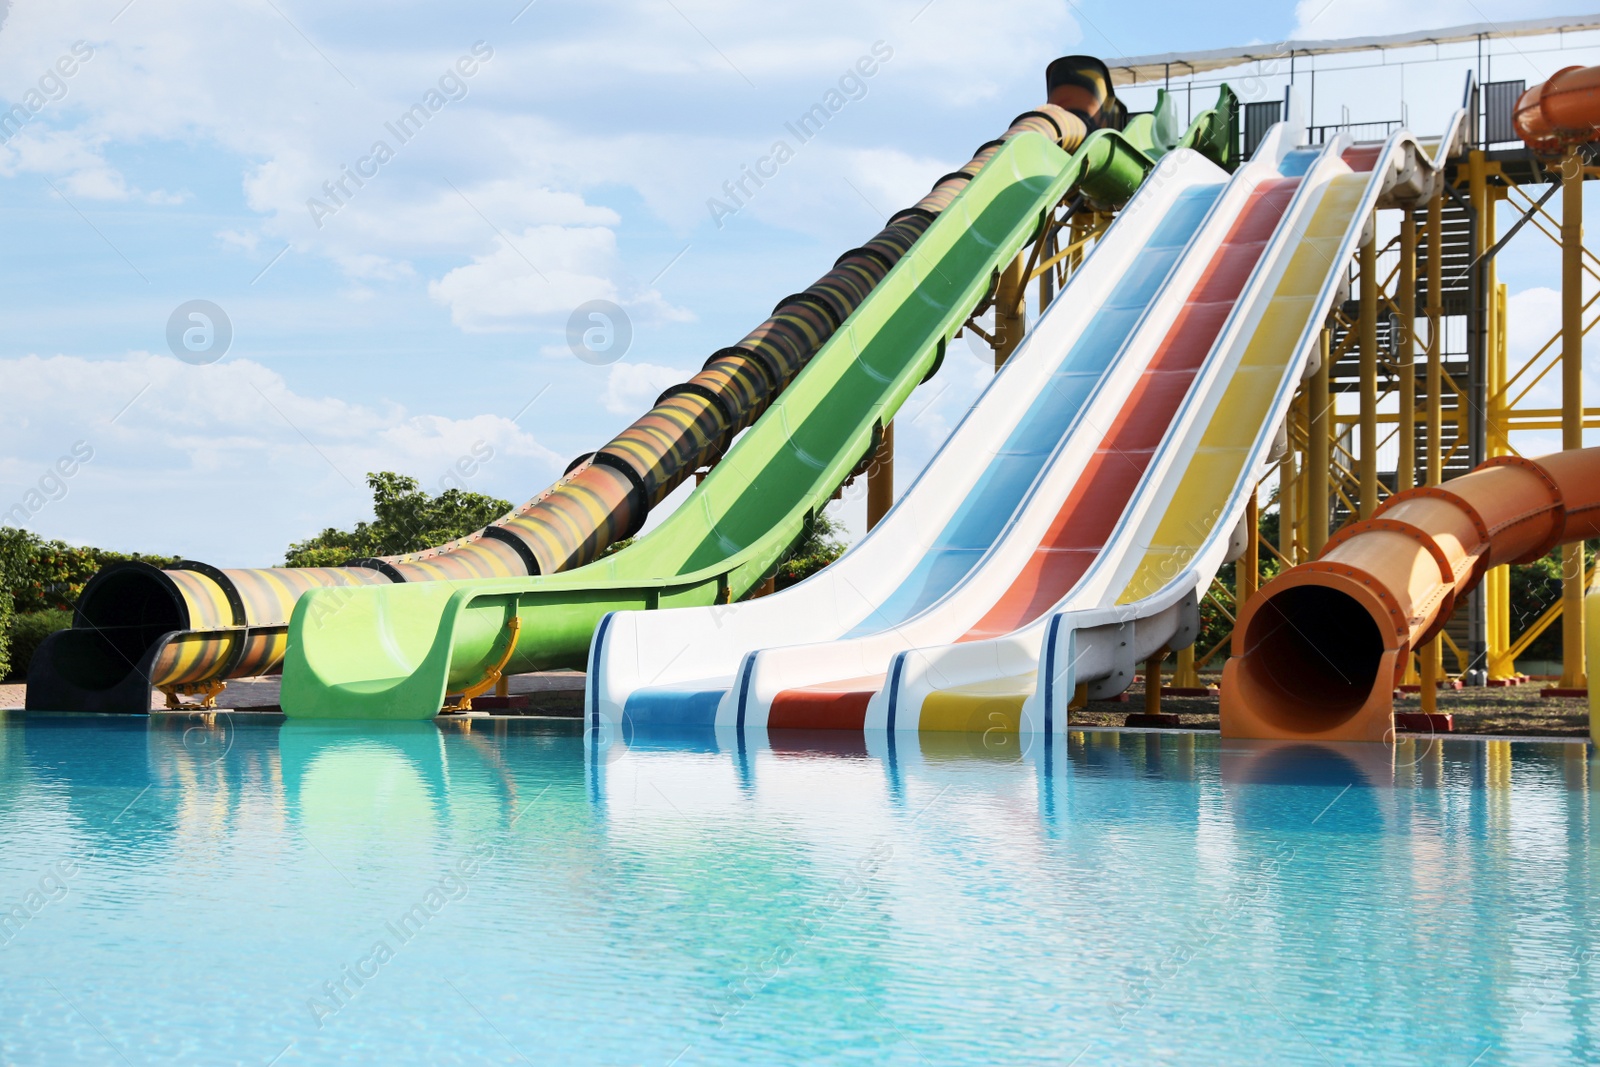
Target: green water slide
x,y
396,651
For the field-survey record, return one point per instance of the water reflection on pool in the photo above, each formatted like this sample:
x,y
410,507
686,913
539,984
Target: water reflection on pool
x,y
209,891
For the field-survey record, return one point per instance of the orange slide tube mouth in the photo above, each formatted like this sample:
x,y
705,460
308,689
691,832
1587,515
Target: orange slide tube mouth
x,y
1563,110
1318,651
1309,658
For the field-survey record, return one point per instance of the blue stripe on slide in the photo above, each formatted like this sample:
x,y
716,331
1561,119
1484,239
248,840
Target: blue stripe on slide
x,y
674,707
1002,488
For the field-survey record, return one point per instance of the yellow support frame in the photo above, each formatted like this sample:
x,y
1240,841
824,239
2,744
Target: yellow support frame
x,y
1334,456
1510,386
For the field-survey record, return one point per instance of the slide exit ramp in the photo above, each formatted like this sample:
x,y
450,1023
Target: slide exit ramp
x,y
1169,557
1057,533
674,666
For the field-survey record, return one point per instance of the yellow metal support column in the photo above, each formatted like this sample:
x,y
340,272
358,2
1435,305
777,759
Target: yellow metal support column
x,y
1184,675
1152,683
1592,634
1289,487
1367,462
1433,459
1406,471
1248,576
1082,226
1046,288
1319,460
1573,675
1406,355
1497,583
1010,310
1302,485
1289,507
880,479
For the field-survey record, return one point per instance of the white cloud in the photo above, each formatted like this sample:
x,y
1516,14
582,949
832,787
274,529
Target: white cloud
x,y
78,167
245,80
233,440
631,388
509,287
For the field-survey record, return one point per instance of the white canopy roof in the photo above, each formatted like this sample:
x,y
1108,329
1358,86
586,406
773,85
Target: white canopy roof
x,y
1134,69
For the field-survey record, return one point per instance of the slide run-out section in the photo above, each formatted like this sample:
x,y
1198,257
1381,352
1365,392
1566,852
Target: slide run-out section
x,y
1072,372
1063,527
1227,438
396,651
1132,531
1319,650
675,666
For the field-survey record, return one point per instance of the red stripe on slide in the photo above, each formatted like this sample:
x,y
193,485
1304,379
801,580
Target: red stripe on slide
x,y
1091,510
839,707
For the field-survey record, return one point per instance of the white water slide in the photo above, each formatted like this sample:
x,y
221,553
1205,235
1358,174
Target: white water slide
x,y
1087,498
983,500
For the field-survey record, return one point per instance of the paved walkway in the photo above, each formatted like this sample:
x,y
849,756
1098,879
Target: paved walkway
x,y
550,693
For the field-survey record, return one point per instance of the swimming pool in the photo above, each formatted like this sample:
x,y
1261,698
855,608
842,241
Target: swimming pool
x,y
194,891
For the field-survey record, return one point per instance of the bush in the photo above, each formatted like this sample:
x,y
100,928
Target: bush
x,y
405,519
818,546
1534,588
43,575
5,633
27,632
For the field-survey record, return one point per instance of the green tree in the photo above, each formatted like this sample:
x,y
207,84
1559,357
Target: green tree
x,y
45,575
40,581
1214,625
819,545
405,519
7,617
1534,588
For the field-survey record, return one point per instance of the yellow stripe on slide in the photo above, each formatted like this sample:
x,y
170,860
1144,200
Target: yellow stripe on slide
x,y
207,603
286,595
992,704
1225,447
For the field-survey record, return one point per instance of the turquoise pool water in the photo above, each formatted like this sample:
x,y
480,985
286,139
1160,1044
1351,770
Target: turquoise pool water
x,y
245,891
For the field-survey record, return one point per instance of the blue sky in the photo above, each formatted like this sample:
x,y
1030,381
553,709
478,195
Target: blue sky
x,y
427,315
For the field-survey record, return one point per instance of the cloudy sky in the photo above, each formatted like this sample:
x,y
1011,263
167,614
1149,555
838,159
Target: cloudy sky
x,y
395,309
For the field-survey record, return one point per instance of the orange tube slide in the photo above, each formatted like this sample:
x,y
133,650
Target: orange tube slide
x,y
1563,110
1318,651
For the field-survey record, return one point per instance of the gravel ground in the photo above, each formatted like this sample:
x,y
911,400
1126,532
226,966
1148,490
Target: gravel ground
x,y
553,693
1510,710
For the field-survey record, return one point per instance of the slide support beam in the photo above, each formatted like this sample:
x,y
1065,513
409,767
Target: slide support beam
x,y
880,479
1572,570
1368,334
1319,459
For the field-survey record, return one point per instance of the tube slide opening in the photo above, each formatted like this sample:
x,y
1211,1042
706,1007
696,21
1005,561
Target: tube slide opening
x,y
130,608
1318,651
